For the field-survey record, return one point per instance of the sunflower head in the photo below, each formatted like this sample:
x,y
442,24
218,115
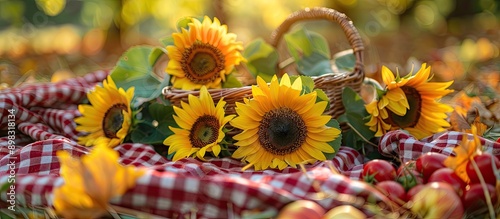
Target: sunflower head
x,y
200,129
202,55
410,103
282,126
108,118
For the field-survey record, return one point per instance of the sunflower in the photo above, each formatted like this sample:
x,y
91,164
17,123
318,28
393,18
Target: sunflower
x,y
108,118
280,127
203,55
91,181
201,127
410,103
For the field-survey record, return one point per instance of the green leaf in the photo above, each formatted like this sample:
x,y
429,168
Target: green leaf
x,y
224,153
154,127
307,83
342,118
357,123
321,96
492,133
4,187
7,215
183,23
262,59
353,102
167,41
344,61
155,55
298,43
335,144
356,116
319,44
171,156
351,139
314,65
135,68
231,81
310,51
308,87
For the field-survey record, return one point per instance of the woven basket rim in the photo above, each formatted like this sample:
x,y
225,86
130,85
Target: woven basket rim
x,y
170,90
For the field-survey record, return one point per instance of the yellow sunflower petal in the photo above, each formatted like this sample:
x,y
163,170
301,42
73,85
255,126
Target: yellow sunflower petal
x,y
297,84
387,75
91,181
312,151
316,110
241,152
324,135
216,150
245,134
318,121
181,153
285,81
246,141
320,145
244,122
279,163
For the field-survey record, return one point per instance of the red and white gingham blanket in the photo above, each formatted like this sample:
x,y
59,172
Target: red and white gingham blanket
x,y
44,116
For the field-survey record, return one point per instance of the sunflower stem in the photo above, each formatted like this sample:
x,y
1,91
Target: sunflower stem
x,y
332,168
485,188
116,210
304,171
373,82
113,213
360,135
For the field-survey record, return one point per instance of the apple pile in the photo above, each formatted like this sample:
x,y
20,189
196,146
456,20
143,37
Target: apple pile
x,y
425,187
431,190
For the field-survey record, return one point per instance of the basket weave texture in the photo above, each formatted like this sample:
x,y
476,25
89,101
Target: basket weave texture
x,y
332,84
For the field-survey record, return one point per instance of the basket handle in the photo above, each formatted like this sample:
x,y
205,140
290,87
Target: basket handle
x,y
319,13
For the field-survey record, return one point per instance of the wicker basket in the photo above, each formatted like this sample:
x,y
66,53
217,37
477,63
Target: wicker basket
x,y
331,84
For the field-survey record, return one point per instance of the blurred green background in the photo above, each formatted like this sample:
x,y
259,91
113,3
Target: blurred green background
x,y
49,40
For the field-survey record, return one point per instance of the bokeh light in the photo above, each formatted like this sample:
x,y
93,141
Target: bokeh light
x,y
84,36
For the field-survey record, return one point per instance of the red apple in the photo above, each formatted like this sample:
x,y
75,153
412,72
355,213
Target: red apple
x,y
393,190
488,165
429,162
437,200
474,199
449,176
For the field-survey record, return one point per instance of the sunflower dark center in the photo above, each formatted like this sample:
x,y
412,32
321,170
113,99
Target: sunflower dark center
x,y
113,120
282,131
205,130
202,63
410,119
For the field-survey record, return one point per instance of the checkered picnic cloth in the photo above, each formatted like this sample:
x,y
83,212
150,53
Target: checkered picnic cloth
x,y
44,119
